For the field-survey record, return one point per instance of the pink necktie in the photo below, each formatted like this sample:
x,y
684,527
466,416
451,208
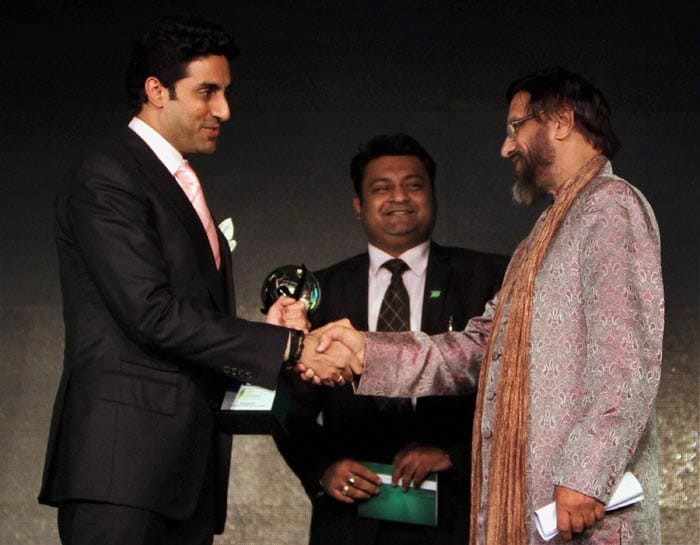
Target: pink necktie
x,y
189,183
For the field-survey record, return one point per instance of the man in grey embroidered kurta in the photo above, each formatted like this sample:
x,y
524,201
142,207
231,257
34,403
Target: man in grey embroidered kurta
x,y
595,340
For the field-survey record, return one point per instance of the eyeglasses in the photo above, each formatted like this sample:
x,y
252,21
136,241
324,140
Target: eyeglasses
x,y
512,126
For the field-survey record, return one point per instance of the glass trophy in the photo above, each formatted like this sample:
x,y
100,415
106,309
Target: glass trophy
x,y
250,409
294,281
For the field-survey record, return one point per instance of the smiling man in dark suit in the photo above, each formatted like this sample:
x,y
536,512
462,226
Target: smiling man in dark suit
x,y
151,338
394,182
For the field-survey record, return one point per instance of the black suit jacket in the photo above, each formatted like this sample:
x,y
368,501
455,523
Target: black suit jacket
x,y
151,341
458,284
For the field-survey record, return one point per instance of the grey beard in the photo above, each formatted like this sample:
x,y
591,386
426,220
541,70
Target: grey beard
x,y
526,190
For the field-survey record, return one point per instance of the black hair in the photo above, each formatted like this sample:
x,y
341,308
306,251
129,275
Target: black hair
x,y
552,88
391,144
165,50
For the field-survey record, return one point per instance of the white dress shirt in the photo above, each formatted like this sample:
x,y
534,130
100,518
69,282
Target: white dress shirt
x,y
164,150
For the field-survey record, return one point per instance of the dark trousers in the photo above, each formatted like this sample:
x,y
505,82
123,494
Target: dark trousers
x,y
86,523
94,523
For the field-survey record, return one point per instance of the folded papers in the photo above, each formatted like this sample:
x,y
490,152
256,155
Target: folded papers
x,y
627,492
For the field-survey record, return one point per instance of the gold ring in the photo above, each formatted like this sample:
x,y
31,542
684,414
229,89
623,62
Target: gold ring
x,y
351,479
340,379
345,489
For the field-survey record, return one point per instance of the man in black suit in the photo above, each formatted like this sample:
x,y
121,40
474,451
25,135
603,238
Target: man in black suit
x,y
151,340
395,202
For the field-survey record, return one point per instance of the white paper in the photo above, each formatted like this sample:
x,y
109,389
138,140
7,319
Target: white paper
x,y
248,398
425,485
627,492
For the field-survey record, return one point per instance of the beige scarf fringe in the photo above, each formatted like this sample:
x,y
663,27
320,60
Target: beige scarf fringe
x,y
506,521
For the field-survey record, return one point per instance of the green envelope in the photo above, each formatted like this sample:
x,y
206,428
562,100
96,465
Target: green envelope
x,y
415,506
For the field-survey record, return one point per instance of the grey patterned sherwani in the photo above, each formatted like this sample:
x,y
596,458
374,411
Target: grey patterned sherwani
x,y
595,361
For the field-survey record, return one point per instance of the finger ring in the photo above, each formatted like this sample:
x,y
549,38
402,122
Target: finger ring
x,y
345,489
351,479
340,379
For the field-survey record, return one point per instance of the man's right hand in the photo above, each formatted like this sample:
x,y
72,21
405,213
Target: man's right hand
x,y
332,354
348,481
342,344
342,331
332,367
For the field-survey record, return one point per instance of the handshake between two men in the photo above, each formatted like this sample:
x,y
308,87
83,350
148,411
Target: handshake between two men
x,y
331,355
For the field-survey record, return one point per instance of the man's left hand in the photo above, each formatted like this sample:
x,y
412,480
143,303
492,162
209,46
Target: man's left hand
x,y
575,511
413,463
288,312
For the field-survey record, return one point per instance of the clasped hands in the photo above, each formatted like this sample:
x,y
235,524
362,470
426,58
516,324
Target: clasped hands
x,y
332,354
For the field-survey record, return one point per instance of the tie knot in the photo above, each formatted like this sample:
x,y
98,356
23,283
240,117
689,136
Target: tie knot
x,y
186,173
396,266
187,178
185,165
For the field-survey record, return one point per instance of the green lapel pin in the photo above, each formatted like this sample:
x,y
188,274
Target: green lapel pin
x,y
434,294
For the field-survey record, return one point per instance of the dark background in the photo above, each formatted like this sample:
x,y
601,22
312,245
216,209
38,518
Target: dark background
x,y
316,79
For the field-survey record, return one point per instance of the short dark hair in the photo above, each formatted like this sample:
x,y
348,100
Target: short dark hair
x,y
165,50
552,88
389,144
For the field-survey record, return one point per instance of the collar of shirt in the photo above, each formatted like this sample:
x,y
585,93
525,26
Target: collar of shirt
x,y
416,258
164,150
414,279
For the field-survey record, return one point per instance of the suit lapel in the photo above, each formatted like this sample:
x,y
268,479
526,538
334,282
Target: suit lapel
x,y
356,291
436,291
155,173
227,272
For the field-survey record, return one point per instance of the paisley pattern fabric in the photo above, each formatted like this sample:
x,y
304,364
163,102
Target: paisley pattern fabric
x,y
595,361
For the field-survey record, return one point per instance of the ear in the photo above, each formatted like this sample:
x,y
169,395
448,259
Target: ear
x,y
156,92
564,122
357,206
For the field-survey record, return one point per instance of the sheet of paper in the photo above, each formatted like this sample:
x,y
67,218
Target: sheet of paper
x,y
425,485
627,492
248,398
